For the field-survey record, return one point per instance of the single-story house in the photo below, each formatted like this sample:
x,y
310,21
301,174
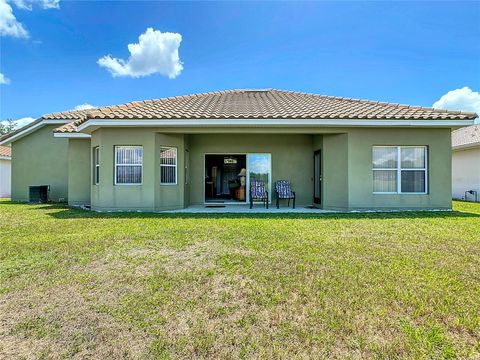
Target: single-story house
x,y
5,166
466,163
204,149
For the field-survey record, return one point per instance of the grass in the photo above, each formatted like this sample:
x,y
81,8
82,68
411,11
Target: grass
x,y
77,284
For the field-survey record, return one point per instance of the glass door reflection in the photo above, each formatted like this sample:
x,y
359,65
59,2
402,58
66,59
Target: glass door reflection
x,y
259,167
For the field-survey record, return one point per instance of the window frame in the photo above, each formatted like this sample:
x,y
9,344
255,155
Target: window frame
x,y
399,170
116,165
96,165
169,165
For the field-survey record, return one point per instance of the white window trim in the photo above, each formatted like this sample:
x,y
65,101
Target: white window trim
x,y
169,165
123,165
399,170
96,168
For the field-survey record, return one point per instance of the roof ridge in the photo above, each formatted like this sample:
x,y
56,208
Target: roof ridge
x,y
266,90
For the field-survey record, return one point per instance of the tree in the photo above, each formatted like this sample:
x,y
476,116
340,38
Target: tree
x,y
7,126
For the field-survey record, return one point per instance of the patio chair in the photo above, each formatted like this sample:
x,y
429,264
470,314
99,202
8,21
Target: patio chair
x,y
283,189
258,192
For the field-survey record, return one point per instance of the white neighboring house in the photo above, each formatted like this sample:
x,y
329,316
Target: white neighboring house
x,y
5,171
466,162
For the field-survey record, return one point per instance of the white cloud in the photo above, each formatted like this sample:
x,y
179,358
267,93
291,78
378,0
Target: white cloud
x,y
44,4
50,4
20,122
9,26
22,4
156,52
460,99
4,80
84,107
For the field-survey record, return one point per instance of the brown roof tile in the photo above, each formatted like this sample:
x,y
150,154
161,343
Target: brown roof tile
x,y
253,104
258,104
5,151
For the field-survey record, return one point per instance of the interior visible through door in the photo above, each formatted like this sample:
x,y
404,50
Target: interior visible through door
x,y
225,178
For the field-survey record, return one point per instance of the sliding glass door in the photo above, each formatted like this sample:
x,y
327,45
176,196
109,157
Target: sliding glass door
x,y
225,178
228,176
259,167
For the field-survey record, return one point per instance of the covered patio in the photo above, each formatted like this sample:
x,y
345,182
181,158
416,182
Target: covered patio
x,y
244,208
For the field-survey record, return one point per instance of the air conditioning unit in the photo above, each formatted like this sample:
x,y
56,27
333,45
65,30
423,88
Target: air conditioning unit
x,y
38,194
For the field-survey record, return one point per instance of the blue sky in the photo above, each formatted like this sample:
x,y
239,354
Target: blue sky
x,y
405,52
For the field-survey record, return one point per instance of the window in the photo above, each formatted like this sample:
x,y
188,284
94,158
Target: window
x,y
168,166
400,169
96,162
128,165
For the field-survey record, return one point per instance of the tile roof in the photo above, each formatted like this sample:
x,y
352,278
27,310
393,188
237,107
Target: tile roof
x,y
5,151
257,104
68,115
250,104
467,136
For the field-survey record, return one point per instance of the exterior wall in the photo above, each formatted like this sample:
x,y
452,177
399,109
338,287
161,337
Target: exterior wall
x,y
79,171
466,172
346,167
5,175
317,144
360,184
40,159
187,179
335,172
292,159
107,195
170,196
150,195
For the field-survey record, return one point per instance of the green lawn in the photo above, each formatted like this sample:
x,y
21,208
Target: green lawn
x,y
88,285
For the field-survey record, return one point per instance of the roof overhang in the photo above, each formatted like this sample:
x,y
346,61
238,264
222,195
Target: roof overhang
x,y
29,129
75,135
93,124
466,146
5,158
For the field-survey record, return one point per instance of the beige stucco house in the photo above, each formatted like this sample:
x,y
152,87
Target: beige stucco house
x,y
466,163
206,149
5,171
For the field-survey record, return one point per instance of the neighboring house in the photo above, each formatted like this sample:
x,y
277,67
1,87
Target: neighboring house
x,y
5,166
338,153
466,162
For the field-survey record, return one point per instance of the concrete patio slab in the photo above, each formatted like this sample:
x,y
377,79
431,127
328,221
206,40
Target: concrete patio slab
x,y
257,209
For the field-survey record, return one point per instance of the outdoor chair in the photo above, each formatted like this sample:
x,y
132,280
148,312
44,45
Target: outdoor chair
x,y
258,192
283,189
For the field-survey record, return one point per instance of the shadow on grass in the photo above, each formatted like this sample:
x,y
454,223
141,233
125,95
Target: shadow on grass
x,y
71,213
65,212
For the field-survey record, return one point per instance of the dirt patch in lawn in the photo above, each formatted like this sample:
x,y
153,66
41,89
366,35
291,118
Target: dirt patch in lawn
x,y
59,323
